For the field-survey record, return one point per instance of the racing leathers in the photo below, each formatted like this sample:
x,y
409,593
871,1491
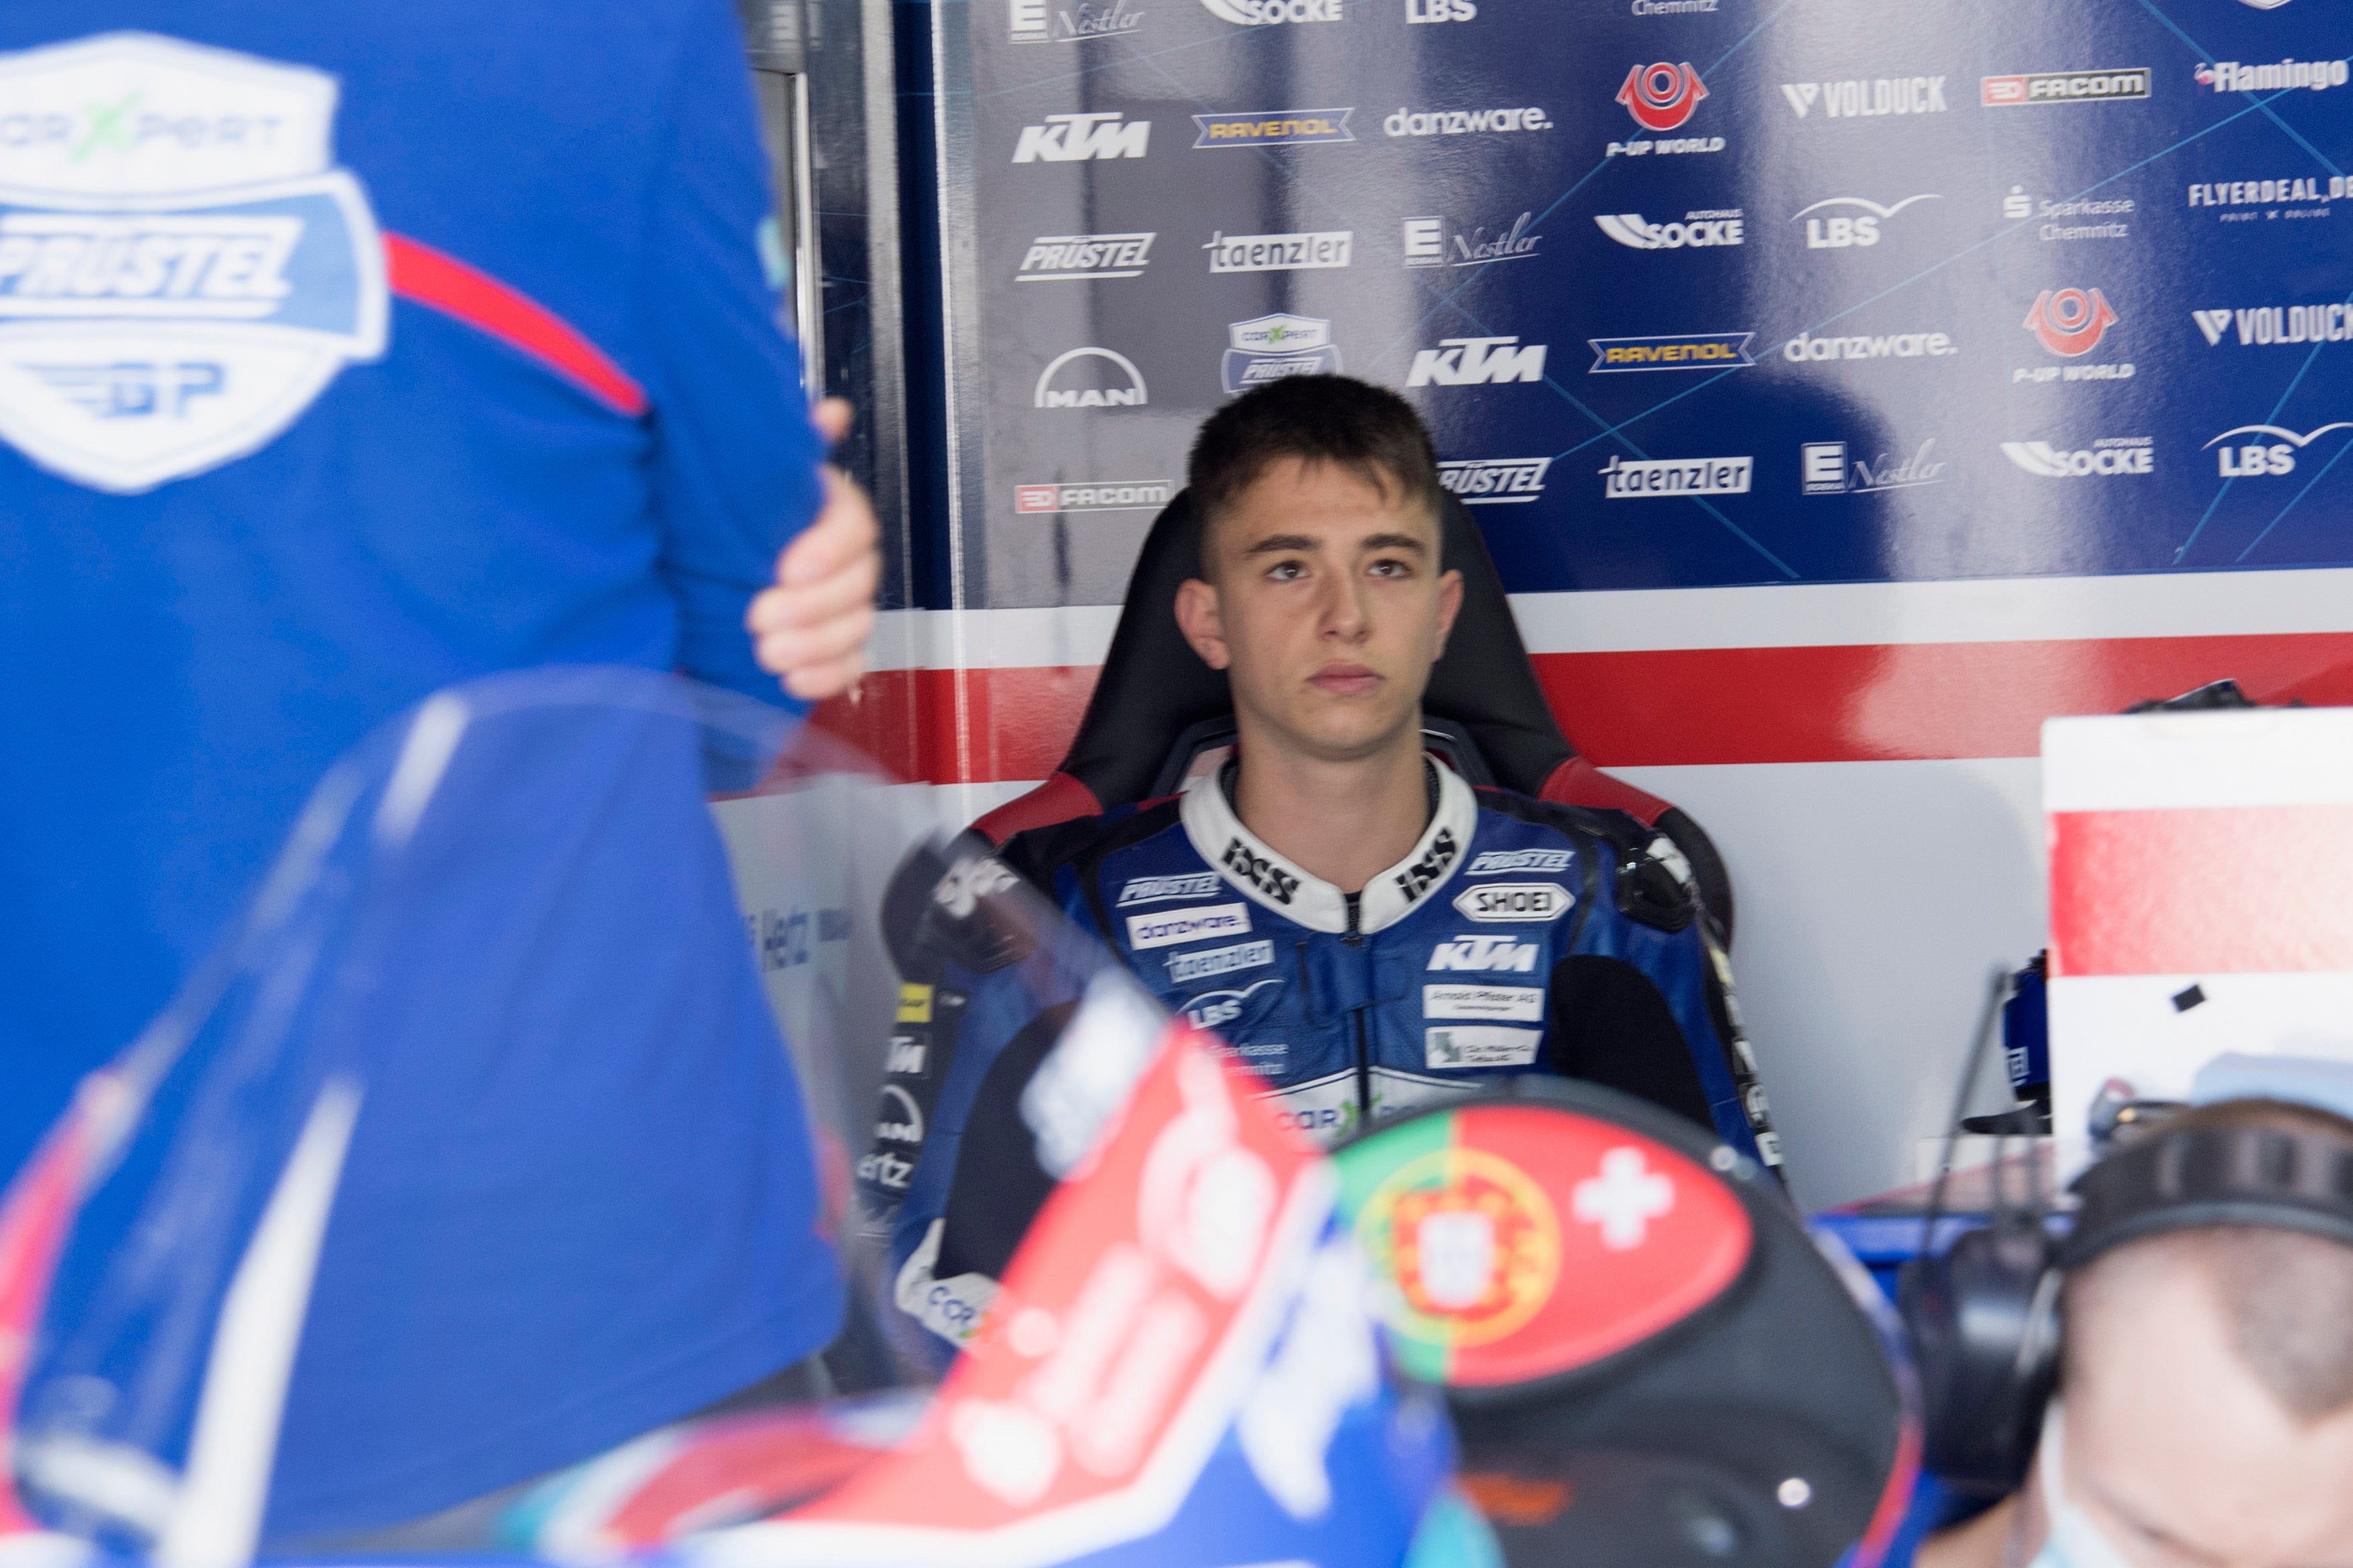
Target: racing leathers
x,y
1516,936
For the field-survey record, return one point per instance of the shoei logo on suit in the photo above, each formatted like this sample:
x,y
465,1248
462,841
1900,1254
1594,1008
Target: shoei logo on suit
x,y
1077,137
1269,12
1258,871
1034,23
2106,458
2268,324
1067,257
1426,244
1074,381
2230,76
1266,348
2257,459
1829,230
1866,98
1702,228
1216,1009
1494,862
1262,128
1494,481
1154,890
1187,925
2115,86
1480,954
1476,362
182,271
1494,902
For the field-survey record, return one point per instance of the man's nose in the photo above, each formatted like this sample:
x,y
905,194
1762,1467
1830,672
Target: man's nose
x,y
1345,614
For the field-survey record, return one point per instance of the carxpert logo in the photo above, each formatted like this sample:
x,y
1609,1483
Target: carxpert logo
x,y
1272,13
1660,97
1069,257
1827,468
1680,351
2108,457
1427,243
1675,479
2062,220
1267,128
1476,362
2265,326
1091,378
1280,252
2069,322
1700,228
183,268
1268,348
1494,482
1463,121
1865,98
1805,348
2119,84
2257,457
1101,495
1082,137
1841,223
2230,76
1035,22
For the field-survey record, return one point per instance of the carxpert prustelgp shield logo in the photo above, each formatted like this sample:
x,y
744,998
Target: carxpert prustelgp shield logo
x,y
182,269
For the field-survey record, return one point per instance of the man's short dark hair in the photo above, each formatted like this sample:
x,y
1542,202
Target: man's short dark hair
x,y
1366,429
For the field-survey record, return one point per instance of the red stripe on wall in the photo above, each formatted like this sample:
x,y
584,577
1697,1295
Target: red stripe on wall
x,y
429,277
2214,890
974,726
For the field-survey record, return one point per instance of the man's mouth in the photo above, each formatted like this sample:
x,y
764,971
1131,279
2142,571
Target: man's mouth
x,y
1345,680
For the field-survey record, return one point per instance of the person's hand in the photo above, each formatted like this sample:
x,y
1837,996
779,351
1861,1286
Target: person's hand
x,y
811,627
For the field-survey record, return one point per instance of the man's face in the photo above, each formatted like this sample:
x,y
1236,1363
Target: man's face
x,y
1325,608
2182,1458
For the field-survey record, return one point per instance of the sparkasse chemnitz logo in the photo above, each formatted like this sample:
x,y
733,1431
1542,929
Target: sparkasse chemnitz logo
x,y
1866,98
1035,23
1101,495
1671,478
1268,128
1278,252
2119,84
1825,468
2258,460
2230,76
1124,385
2105,458
1494,482
2266,325
1272,13
1476,362
1679,351
1699,228
1827,230
1266,348
1078,137
1463,121
1067,258
1426,244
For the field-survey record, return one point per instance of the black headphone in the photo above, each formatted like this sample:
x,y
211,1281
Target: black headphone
x,y
1983,1318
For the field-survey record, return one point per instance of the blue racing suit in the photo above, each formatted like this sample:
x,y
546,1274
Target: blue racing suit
x,y
1517,936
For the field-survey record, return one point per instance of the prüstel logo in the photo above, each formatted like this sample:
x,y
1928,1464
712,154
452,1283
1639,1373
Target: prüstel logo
x,y
1661,95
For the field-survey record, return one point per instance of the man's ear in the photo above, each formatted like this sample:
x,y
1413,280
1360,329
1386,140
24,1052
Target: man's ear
x,y
1449,604
1203,627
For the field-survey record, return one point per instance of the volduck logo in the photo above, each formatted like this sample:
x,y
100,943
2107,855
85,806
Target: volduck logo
x,y
1661,95
2070,321
2267,324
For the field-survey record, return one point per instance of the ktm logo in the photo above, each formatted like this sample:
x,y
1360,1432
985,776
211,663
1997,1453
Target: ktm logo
x,y
1661,96
2068,321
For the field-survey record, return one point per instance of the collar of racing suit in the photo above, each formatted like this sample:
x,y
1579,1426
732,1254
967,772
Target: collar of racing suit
x,y
1266,878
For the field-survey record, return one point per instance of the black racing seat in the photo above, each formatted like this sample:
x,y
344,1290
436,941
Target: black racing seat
x,y
1159,714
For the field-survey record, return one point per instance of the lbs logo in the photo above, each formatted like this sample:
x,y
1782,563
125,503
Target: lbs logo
x,y
2257,460
2107,458
1838,231
1216,1009
1662,95
1476,362
1268,348
182,272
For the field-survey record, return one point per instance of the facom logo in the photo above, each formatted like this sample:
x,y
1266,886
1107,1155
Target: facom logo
x,y
2109,457
1823,470
1838,231
1278,252
1426,246
1125,388
1682,351
2255,460
1269,12
1266,348
2268,324
1670,478
2070,321
1476,362
1067,257
2230,76
1262,128
1034,24
1706,226
1867,97
2115,86
1494,482
1661,95
1463,121
1106,495
1806,347
1077,137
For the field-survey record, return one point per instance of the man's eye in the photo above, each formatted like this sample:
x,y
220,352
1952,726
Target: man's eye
x,y
1390,569
1286,571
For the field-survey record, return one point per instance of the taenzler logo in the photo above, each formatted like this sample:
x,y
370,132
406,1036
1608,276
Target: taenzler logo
x,y
2116,86
1866,98
1494,482
1078,137
1667,479
1269,127
1829,230
1426,244
1067,257
1661,95
1033,23
2230,76
1823,470
2256,460
2285,192
2268,324
183,271
1477,954
1463,121
1268,348
1806,348
1682,351
1091,378
2070,321
1704,227
1270,13
1191,966
1278,252
1103,495
2106,458
1476,362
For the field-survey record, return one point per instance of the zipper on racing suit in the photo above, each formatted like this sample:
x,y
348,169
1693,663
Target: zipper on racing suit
x,y
1355,937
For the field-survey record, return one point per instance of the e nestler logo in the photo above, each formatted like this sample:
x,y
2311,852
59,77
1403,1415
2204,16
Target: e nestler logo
x,y
1033,24
2255,460
1706,227
1806,347
2267,324
1464,123
1425,245
1867,97
2108,456
1656,479
2230,76
1475,361
1130,395
1076,137
1494,482
1823,470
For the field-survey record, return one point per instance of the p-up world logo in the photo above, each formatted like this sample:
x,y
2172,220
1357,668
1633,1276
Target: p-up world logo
x,y
182,269
1661,95
1079,138
1125,388
1476,362
2255,460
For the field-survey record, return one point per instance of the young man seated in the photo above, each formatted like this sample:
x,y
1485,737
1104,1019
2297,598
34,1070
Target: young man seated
x,y
1366,933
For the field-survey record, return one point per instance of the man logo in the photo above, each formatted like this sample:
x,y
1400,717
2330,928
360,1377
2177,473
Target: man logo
x,y
2255,460
1838,232
1662,95
1476,362
1078,137
1132,396
2068,321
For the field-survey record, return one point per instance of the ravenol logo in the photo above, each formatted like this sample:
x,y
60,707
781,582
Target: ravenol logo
x,y
1266,348
1077,137
1684,350
1476,362
1262,129
182,273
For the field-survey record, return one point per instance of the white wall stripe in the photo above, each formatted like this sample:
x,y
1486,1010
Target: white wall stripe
x,y
2157,761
